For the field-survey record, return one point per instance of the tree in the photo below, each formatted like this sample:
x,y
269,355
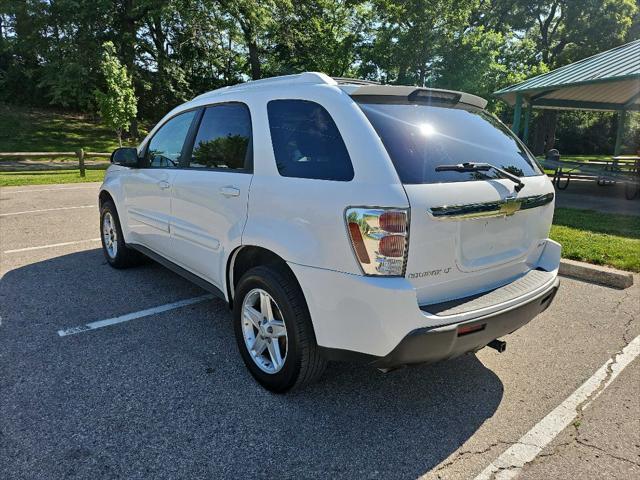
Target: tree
x,y
407,38
51,51
563,32
317,35
254,18
118,104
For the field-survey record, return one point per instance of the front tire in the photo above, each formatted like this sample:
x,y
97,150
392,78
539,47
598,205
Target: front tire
x,y
114,248
273,330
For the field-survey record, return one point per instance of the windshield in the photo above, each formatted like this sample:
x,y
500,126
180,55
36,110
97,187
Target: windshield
x,y
420,138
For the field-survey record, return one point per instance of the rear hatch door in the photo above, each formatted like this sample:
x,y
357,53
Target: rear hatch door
x,y
470,231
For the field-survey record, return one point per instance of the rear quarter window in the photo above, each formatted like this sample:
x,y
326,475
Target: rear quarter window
x,y
418,138
307,142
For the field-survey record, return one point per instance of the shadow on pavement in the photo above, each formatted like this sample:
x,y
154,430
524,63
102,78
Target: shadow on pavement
x,y
588,195
168,396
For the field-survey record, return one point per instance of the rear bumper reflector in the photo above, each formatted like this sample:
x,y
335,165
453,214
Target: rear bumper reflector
x,y
467,329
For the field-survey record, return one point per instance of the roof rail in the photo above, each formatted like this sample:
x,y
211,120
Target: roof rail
x,y
296,79
354,81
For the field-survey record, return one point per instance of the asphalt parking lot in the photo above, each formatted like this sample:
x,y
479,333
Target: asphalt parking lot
x,y
165,395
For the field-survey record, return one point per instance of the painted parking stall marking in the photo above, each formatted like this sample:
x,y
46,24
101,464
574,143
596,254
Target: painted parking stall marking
x,y
528,447
46,210
60,189
52,245
132,316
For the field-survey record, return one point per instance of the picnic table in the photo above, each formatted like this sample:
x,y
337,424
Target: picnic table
x,y
621,168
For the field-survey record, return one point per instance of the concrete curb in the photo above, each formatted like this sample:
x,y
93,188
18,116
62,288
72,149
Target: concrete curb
x,y
609,277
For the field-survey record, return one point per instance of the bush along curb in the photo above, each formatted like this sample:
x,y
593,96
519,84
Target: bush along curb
x,y
607,276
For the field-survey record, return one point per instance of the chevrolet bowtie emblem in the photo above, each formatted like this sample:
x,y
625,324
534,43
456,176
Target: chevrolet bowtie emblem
x,y
510,206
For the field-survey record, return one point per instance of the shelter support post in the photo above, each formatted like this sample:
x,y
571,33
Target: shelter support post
x,y
527,121
622,118
517,113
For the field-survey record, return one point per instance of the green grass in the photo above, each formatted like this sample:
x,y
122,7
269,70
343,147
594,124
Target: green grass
x,y
31,130
25,129
598,238
43,177
576,158
582,158
585,158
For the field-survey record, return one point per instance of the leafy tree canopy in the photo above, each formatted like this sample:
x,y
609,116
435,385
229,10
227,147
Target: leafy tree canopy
x,y
51,52
117,103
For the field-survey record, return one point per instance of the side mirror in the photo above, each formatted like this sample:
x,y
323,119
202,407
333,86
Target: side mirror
x,y
125,156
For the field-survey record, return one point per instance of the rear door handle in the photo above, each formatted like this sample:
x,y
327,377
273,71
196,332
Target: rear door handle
x,y
163,184
230,191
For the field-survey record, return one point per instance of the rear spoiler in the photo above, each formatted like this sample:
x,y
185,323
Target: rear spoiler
x,y
380,93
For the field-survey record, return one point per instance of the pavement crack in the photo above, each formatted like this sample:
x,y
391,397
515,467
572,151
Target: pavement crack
x,y
553,452
579,418
467,453
577,421
594,447
618,309
602,385
627,327
621,301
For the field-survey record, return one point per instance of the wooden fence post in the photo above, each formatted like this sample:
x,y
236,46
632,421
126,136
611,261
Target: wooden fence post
x,y
80,154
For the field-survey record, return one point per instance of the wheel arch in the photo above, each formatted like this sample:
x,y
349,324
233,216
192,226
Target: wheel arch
x,y
105,196
111,195
246,257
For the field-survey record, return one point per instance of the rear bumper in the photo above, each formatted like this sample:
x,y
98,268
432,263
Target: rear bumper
x,y
379,320
428,345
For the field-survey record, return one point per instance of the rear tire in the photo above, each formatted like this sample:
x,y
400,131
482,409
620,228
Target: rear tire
x,y
114,248
288,328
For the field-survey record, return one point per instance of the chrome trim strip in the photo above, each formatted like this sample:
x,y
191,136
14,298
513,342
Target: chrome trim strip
x,y
499,208
536,201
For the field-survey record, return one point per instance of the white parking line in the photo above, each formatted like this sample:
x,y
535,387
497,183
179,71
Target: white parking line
x,y
133,316
62,189
46,210
510,463
40,247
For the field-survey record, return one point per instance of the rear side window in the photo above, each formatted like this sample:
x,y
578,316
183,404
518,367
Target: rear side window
x,y
419,138
165,148
224,138
306,141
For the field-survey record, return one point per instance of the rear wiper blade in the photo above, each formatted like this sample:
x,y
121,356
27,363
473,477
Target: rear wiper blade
x,y
481,167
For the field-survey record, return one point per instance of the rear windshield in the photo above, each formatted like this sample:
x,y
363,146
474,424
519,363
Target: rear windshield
x,y
419,138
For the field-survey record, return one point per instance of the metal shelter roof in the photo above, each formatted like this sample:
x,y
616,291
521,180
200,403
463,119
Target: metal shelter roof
x,y
609,80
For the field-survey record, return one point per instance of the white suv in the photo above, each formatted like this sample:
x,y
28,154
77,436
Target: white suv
x,y
341,220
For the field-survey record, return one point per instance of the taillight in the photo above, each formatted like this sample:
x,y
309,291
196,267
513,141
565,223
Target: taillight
x,y
392,245
394,221
380,239
358,243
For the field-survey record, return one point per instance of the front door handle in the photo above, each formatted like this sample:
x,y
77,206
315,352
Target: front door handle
x,y
230,191
163,184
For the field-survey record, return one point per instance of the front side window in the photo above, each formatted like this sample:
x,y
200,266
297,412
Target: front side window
x,y
306,141
420,138
165,148
224,138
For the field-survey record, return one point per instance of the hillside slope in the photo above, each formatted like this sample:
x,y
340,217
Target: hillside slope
x,y
25,129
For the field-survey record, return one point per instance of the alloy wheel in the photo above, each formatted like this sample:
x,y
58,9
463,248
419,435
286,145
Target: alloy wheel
x,y
110,235
264,331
